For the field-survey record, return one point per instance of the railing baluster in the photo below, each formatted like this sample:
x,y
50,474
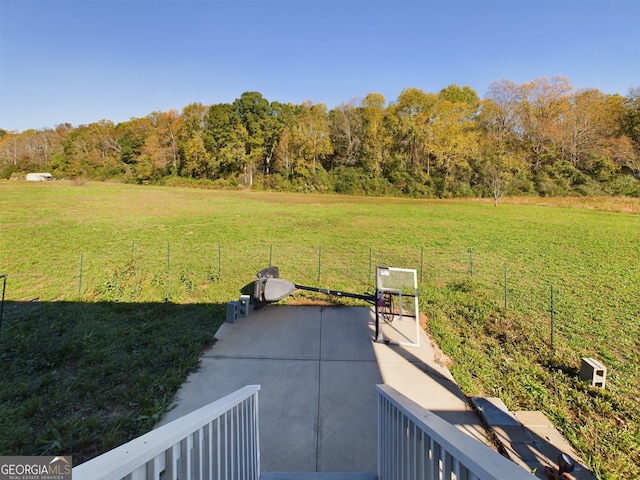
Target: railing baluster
x,y
447,464
243,429
256,435
394,445
455,468
380,431
198,460
185,458
423,451
416,444
255,450
247,443
172,470
435,462
389,439
218,451
234,442
154,468
225,426
208,451
403,445
249,449
414,450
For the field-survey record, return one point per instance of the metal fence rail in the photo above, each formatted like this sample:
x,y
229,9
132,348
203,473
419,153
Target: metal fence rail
x,y
416,444
218,441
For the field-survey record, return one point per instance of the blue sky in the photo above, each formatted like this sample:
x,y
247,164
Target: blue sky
x,y
80,61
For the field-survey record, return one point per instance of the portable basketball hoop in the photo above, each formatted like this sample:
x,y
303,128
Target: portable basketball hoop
x,y
395,300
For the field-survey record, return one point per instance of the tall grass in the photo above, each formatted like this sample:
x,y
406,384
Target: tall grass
x,y
90,266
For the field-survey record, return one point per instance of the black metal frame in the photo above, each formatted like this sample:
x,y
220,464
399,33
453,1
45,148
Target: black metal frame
x,y
375,299
327,291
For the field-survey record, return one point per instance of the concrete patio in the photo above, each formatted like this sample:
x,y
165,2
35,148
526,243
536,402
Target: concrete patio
x,y
318,367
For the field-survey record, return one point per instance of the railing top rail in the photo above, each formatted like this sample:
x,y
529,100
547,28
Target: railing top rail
x,y
122,460
477,457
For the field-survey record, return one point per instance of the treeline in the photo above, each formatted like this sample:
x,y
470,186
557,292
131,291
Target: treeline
x,y
541,137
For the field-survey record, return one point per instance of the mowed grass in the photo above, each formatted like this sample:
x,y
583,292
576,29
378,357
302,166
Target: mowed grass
x,y
114,290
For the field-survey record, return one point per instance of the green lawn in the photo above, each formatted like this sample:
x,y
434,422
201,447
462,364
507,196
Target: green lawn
x,y
114,290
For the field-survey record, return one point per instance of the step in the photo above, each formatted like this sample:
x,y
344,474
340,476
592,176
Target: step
x,y
528,438
318,476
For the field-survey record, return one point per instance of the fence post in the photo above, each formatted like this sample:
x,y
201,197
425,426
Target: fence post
x,y
552,319
270,253
4,286
505,287
80,278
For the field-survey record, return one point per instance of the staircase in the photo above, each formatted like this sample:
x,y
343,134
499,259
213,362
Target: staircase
x,y
221,441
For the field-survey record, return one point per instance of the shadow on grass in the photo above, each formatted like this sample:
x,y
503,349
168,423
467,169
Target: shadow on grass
x,y
81,378
558,365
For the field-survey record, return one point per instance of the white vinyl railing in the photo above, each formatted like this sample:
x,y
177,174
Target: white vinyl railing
x,y
416,444
219,441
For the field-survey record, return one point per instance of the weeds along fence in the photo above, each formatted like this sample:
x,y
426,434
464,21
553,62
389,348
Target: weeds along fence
x,y
472,284
179,272
216,272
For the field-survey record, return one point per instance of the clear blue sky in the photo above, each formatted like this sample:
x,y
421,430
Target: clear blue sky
x,y
80,61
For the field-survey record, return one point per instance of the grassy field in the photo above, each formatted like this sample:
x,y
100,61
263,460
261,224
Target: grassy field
x,y
114,290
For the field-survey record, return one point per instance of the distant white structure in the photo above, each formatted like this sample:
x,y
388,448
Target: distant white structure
x,y
38,177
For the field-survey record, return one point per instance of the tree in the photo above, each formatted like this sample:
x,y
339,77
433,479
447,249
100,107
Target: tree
x,y
543,109
306,143
630,123
313,134
535,135
161,145
375,137
225,139
590,123
631,119
498,144
106,139
414,113
92,151
196,158
454,140
346,129
131,137
254,113
284,153
499,113
500,168
466,95
282,117
8,149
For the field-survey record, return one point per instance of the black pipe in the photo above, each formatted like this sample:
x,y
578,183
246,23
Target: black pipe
x,y
338,293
